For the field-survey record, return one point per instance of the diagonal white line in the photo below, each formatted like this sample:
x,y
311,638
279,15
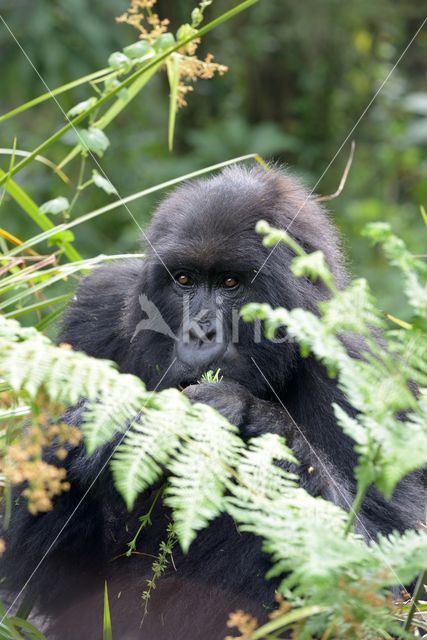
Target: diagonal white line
x,y
80,502
94,158
334,482
358,121
312,450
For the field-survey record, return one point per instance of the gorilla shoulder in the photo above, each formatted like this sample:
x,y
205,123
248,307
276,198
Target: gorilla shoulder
x,y
93,322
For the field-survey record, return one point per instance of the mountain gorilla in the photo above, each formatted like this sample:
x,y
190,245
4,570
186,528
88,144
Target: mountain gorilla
x,y
204,262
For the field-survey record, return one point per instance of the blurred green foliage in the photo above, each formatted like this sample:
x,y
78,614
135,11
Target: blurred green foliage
x,y
301,74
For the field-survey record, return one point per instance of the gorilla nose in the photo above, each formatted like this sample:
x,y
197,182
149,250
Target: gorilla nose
x,y
201,345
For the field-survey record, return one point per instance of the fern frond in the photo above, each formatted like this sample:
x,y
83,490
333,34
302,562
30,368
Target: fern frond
x,y
114,408
149,443
29,362
413,269
200,469
402,554
257,469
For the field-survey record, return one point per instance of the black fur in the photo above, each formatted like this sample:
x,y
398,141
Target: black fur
x,y
205,228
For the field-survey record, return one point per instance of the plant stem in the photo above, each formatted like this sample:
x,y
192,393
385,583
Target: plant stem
x,y
145,520
79,183
355,507
419,587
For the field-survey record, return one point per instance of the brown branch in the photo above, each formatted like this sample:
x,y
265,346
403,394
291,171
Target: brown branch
x,y
343,180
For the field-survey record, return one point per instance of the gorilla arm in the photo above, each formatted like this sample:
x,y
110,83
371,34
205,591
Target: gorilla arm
x,y
319,472
254,417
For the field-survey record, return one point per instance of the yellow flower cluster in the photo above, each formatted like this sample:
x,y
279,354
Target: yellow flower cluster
x,y
24,460
244,622
151,26
140,16
191,68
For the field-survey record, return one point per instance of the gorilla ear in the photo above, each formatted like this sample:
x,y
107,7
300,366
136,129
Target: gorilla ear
x,y
93,322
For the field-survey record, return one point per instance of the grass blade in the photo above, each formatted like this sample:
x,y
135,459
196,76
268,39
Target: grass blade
x,y
173,77
107,633
37,305
42,159
55,92
31,209
135,196
60,273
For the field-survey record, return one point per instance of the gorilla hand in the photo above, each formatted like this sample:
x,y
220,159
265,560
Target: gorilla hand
x,y
251,415
230,399
239,406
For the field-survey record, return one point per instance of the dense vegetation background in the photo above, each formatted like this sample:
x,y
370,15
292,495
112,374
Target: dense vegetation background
x,y
301,74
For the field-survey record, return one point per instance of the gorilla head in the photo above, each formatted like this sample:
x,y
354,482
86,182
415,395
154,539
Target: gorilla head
x,y
180,314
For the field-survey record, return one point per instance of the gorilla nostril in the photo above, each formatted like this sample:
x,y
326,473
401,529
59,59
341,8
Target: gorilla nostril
x,y
201,334
211,335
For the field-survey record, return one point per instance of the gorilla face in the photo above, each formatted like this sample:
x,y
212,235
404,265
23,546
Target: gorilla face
x,y
200,305
192,304
205,261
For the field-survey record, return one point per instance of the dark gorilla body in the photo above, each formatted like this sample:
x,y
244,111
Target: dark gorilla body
x,y
206,254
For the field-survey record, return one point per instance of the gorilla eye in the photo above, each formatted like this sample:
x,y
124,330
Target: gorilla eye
x,y
230,282
184,279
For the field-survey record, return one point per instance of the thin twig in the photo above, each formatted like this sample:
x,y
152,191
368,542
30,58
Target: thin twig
x,y
343,178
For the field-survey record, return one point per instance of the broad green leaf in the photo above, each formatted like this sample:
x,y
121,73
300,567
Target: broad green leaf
x,y
103,183
119,60
138,49
81,106
164,42
94,139
41,219
55,206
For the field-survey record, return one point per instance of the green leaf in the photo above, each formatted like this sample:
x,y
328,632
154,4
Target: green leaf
x,y
273,236
149,444
119,60
61,238
55,206
103,183
54,92
81,106
37,305
138,49
94,139
164,42
31,209
200,468
185,31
